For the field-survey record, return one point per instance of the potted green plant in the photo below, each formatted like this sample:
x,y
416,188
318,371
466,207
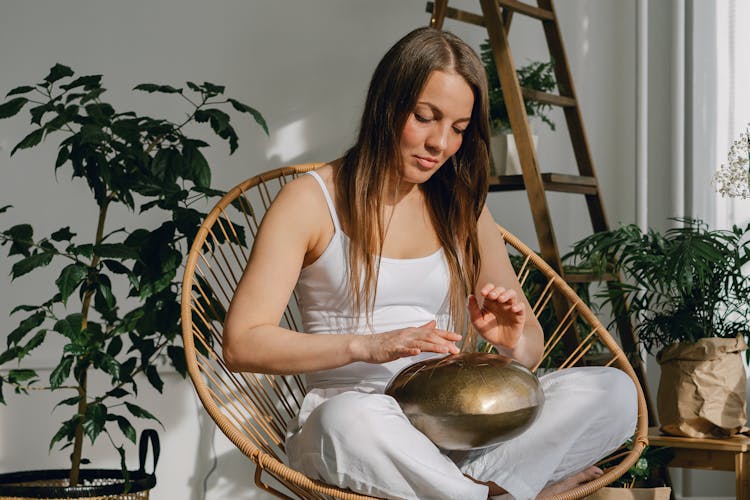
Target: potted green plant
x,y
537,76
643,481
142,164
687,292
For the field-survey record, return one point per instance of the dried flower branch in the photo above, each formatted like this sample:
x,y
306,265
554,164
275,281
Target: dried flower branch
x,y
733,178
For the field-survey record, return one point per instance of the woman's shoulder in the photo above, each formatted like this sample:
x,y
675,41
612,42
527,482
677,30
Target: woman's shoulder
x,y
303,197
306,188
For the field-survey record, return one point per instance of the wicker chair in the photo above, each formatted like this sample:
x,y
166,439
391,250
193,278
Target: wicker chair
x,y
253,409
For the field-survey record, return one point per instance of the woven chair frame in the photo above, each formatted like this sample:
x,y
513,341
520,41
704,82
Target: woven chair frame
x,y
252,410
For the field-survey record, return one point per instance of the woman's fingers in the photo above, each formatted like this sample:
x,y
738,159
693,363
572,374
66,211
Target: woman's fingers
x,y
497,301
499,294
429,338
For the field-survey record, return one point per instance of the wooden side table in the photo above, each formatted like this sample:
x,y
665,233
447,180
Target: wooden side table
x,y
732,454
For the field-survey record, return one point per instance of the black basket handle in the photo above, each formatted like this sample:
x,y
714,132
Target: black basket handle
x,y
146,436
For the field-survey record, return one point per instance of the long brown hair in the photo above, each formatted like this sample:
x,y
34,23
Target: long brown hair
x,y
454,195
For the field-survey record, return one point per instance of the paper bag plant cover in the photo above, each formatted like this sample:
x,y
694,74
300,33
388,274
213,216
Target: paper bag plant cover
x,y
702,388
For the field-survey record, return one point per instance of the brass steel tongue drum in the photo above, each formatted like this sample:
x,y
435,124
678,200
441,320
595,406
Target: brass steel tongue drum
x,y
468,400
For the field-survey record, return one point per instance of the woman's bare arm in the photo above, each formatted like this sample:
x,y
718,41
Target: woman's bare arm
x,y
500,309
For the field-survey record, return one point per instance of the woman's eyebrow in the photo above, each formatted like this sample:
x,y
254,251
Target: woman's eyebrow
x,y
436,110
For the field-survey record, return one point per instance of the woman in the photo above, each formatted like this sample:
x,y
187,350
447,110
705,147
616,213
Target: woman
x,y
383,247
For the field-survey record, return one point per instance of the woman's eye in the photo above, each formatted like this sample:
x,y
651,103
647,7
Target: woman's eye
x,y
459,131
421,118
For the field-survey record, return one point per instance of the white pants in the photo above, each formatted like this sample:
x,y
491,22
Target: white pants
x,y
363,441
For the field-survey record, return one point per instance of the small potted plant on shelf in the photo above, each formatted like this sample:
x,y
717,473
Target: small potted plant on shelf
x,y
143,164
643,481
537,76
687,290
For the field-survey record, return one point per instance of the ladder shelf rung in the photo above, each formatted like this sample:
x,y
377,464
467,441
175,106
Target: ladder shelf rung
x,y
458,14
552,182
478,20
527,10
546,98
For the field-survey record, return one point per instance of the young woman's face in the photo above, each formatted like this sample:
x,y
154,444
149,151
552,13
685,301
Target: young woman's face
x,y
434,129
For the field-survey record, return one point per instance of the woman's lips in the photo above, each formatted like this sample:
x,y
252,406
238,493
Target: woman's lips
x,y
426,161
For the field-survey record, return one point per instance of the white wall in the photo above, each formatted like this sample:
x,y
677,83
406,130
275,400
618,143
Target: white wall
x,y
305,66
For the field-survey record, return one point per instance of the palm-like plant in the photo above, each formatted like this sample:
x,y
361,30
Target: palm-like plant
x,y
681,285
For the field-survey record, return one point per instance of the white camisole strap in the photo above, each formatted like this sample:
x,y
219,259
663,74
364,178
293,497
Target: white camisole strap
x,y
329,200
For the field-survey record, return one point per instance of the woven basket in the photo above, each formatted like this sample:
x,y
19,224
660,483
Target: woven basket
x,y
95,484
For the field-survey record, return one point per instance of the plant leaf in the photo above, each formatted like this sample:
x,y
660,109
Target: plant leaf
x,y
96,414
212,89
70,277
57,72
139,412
35,342
124,469
22,236
244,108
69,401
30,263
61,372
29,141
25,89
110,365
67,431
115,251
152,87
199,168
63,234
20,375
176,354
153,377
115,346
25,327
88,82
9,354
12,107
62,156
127,429
219,122
24,307
117,392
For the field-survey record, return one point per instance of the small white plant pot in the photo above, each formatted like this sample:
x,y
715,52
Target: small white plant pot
x,y
505,155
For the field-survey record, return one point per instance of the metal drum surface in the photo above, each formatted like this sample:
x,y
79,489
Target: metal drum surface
x,y
468,400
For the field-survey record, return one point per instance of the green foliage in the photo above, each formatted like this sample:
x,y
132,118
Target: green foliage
x,y
682,285
536,76
141,163
642,474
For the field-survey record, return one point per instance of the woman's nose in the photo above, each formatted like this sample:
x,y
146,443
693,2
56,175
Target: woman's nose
x,y
437,139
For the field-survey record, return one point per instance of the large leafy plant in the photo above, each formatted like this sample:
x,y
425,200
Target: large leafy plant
x,y
682,285
143,164
536,75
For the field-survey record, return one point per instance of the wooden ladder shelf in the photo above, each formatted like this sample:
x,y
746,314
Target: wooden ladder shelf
x,y
496,17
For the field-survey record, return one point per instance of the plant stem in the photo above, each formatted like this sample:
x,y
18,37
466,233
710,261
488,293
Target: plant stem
x,y
75,465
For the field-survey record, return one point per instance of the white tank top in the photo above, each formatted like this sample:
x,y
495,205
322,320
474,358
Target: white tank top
x,y
410,292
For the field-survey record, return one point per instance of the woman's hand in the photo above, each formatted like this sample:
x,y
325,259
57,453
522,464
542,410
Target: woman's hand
x,y
388,346
501,318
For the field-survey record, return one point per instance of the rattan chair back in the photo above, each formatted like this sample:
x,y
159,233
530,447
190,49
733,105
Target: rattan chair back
x,y
252,409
